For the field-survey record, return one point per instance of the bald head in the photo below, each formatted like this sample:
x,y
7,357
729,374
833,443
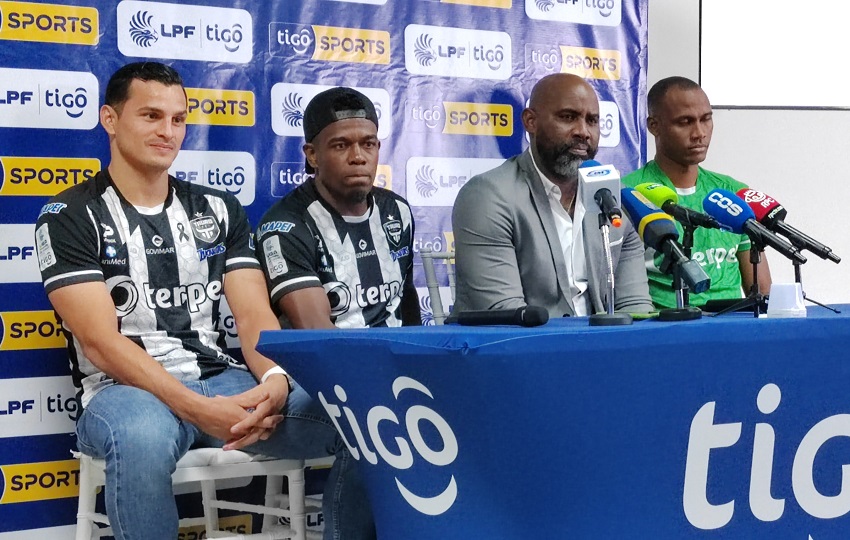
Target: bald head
x,y
562,120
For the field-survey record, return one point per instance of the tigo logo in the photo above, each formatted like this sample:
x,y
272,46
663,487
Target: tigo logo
x,y
33,98
591,63
233,172
286,176
37,406
27,482
28,330
48,23
220,107
596,12
43,176
330,43
290,100
478,119
433,181
18,260
609,124
160,30
457,52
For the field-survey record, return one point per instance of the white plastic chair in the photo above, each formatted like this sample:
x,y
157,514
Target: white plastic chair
x,y
428,258
206,465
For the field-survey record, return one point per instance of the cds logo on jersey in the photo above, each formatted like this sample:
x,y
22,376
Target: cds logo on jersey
x,y
478,119
503,4
31,330
193,295
48,23
433,181
34,98
218,107
38,406
18,256
160,30
594,12
591,63
330,43
205,228
393,229
436,446
457,52
28,482
232,172
43,176
289,100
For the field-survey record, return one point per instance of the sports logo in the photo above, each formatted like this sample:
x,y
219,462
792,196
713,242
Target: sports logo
x,y
591,63
218,107
595,12
30,330
205,228
433,181
232,172
35,98
289,100
43,176
457,52
329,43
27,482
160,30
48,23
393,229
488,119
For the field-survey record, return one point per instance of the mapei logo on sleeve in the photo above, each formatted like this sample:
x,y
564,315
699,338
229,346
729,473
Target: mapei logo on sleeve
x,y
591,63
330,43
503,4
48,23
35,98
18,259
38,406
435,181
219,107
595,12
233,172
43,176
457,52
460,118
289,101
160,30
27,482
30,330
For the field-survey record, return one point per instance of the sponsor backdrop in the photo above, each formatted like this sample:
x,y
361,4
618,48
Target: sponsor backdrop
x,y
449,79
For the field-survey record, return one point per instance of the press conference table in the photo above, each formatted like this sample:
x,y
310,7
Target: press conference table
x,y
572,431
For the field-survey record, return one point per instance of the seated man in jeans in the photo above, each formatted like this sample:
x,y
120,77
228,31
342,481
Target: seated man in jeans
x,y
136,263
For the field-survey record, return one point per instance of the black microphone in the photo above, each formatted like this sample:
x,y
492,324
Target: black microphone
x,y
522,316
608,204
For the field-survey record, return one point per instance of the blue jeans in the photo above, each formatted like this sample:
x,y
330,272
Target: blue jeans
x,y
141,441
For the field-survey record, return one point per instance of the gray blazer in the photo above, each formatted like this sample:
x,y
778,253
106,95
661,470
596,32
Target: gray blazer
x,y
509,255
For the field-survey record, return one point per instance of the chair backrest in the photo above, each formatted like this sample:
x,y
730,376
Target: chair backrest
x,y
428,265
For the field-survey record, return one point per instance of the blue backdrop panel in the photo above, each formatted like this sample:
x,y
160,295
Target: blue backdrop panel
x,y
449,78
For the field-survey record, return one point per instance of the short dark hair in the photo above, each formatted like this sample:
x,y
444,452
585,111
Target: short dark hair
x,y
660,89
118,87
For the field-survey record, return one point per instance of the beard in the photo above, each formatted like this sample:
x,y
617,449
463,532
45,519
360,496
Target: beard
x,y
557,158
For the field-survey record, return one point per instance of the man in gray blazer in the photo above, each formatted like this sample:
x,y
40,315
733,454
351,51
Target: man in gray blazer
x,y
520,234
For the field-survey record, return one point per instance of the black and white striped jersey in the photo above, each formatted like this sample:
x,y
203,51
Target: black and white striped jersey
x,y
363,266
164,269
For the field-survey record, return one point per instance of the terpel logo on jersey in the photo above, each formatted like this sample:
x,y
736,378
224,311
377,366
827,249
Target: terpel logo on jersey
x,y
404,434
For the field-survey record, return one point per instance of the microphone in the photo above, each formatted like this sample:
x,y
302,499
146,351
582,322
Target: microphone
x,y
771,214
667,199
600,183
659,232
522,316
734,213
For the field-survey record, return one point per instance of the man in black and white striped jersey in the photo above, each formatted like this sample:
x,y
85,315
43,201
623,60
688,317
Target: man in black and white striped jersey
x,y
136,264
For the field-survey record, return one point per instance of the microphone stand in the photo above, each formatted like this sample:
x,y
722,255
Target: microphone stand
x,y
610,318
799,279
755,298
683,310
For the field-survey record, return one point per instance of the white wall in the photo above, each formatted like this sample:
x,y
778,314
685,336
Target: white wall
x,y
795,156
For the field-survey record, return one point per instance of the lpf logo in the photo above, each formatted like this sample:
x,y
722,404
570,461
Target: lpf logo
x,y
32,98
435,181
457,52
381,421
233,172
288,102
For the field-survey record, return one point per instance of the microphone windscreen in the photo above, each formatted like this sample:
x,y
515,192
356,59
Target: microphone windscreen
x,y
766,208
727,208
589,163
534,316
522,316
657,194
652,225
